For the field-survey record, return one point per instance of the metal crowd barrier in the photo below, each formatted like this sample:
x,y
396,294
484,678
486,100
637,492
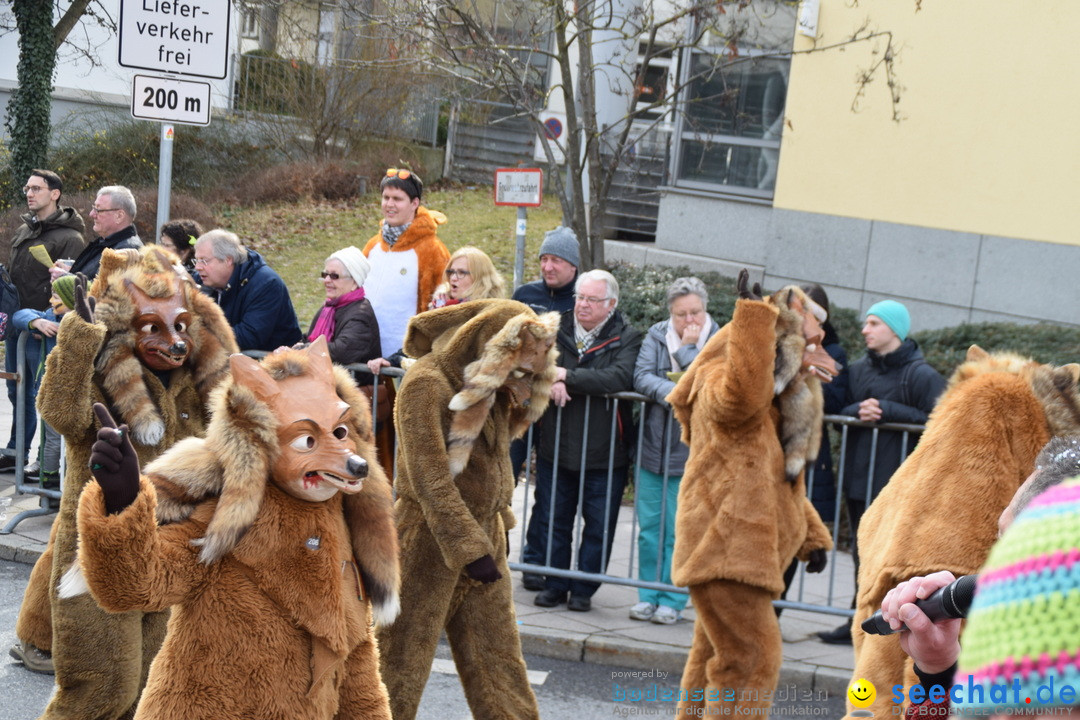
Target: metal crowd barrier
x,y
838,423
22,376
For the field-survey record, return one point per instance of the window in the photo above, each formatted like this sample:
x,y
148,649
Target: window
x,y
249,24
732,115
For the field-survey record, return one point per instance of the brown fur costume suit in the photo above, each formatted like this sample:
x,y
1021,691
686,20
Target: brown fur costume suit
x,y
101,659
739,520
455,417
940,509
269,618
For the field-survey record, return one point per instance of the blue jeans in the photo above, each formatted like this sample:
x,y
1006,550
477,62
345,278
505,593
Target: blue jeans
x,y
596,501
650,494
30,416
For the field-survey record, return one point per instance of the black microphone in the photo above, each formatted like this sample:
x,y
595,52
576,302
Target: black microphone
x,y
951,601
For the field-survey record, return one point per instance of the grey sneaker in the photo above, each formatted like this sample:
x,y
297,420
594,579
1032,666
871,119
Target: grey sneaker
x,y
32,658
665,615
642,611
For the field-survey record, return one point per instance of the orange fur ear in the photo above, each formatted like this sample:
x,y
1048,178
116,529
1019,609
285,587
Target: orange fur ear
x,y
976,354
247,372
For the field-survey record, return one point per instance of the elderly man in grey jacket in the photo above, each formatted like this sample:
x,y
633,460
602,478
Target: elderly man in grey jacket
x,y
669,348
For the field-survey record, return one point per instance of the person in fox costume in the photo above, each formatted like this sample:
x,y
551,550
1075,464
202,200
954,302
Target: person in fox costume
x,y
484,374
275,549
145,342
940,510
750,408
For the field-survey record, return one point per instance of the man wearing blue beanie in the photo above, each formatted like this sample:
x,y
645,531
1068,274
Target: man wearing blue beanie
x,y
892,383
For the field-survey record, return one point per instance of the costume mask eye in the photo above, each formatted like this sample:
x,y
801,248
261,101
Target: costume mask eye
x,y
304,443
341,432
149,329
180,326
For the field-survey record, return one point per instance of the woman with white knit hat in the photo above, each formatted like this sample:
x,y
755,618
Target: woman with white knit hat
x,y
347,318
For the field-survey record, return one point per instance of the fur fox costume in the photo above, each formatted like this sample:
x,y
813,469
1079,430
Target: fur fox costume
x,y
940,509
101,658
752,421
271,572
484,373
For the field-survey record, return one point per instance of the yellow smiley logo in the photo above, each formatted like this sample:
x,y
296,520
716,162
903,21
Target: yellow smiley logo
x,y
861,693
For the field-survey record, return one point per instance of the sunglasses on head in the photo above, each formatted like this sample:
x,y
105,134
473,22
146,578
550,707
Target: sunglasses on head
x,y
332,276
399,174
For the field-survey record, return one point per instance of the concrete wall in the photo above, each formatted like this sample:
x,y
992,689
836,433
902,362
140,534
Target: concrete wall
x,y
944,277
982,143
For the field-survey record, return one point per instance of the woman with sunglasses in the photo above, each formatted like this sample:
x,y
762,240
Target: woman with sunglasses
x,y
470,275
347,319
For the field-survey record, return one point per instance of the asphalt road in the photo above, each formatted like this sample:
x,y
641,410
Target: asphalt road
x,y
563,689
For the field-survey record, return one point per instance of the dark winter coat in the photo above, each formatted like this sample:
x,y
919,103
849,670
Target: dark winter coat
x,y
650,379
257,305
606,367
356,333
89,260
906,387
542,299
61,234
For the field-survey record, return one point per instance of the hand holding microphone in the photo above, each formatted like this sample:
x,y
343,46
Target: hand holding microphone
x,y
928,608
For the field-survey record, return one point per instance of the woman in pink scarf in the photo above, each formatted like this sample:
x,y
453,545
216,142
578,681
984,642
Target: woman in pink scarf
x,y
346,319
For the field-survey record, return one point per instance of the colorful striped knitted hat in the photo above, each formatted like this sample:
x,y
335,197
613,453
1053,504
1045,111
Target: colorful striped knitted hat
x,y
1021,647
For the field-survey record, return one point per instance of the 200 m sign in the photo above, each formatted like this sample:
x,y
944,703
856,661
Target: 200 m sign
x,y
170,100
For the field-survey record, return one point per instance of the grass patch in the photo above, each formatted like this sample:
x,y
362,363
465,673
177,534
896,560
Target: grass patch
x,y
297,237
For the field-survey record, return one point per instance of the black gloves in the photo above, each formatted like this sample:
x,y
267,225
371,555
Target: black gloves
x,y
113,462
817,560
483,570
744,292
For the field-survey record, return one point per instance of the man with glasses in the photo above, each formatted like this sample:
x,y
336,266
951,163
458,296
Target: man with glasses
x,y
253,297
407,258
59,232
113,214
597,353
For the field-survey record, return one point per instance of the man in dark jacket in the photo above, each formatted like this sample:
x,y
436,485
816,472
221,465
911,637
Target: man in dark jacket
x,y
560,257
113,214
59,231
253,297
892,383
597,352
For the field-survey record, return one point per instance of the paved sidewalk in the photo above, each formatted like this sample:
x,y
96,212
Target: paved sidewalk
x,y
603,635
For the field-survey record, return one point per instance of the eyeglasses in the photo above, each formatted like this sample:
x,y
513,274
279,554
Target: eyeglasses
x,y
399,174
97,211
202,262
33,189
332,276
454,273
590,300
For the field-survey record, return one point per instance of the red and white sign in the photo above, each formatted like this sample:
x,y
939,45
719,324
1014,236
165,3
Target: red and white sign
x,y
521,187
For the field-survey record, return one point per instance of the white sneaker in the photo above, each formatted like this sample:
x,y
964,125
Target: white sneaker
x,y
665,615
642,611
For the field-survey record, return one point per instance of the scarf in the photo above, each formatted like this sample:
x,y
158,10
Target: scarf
x,y
391,234
674,342
586,338
325,324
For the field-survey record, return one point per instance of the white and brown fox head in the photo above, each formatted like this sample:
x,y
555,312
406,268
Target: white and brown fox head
x,y
502,345
1056,388
155,317
297,421
799,333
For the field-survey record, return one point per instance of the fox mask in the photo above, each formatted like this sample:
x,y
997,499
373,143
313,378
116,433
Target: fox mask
x,y
316,450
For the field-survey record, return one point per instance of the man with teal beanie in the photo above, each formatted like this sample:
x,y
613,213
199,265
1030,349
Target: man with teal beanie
x,y
892,383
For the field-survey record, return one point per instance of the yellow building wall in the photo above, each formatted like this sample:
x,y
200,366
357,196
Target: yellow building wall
x,y
989,136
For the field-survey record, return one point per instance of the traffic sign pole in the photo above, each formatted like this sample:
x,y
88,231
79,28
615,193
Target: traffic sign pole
x,y
523,187
164,187
519,255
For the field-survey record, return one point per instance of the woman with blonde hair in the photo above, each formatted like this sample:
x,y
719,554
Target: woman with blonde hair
x,y
470,275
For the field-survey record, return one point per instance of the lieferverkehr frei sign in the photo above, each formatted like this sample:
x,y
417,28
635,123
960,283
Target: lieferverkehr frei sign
x,y
172,36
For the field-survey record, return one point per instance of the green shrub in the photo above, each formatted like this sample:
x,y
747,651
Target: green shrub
x,y
643,293
947,347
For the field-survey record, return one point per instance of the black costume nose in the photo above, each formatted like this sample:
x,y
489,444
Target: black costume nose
x,y
178,348
357,466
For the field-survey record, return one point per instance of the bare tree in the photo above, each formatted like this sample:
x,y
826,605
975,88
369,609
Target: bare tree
x,y
592,59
